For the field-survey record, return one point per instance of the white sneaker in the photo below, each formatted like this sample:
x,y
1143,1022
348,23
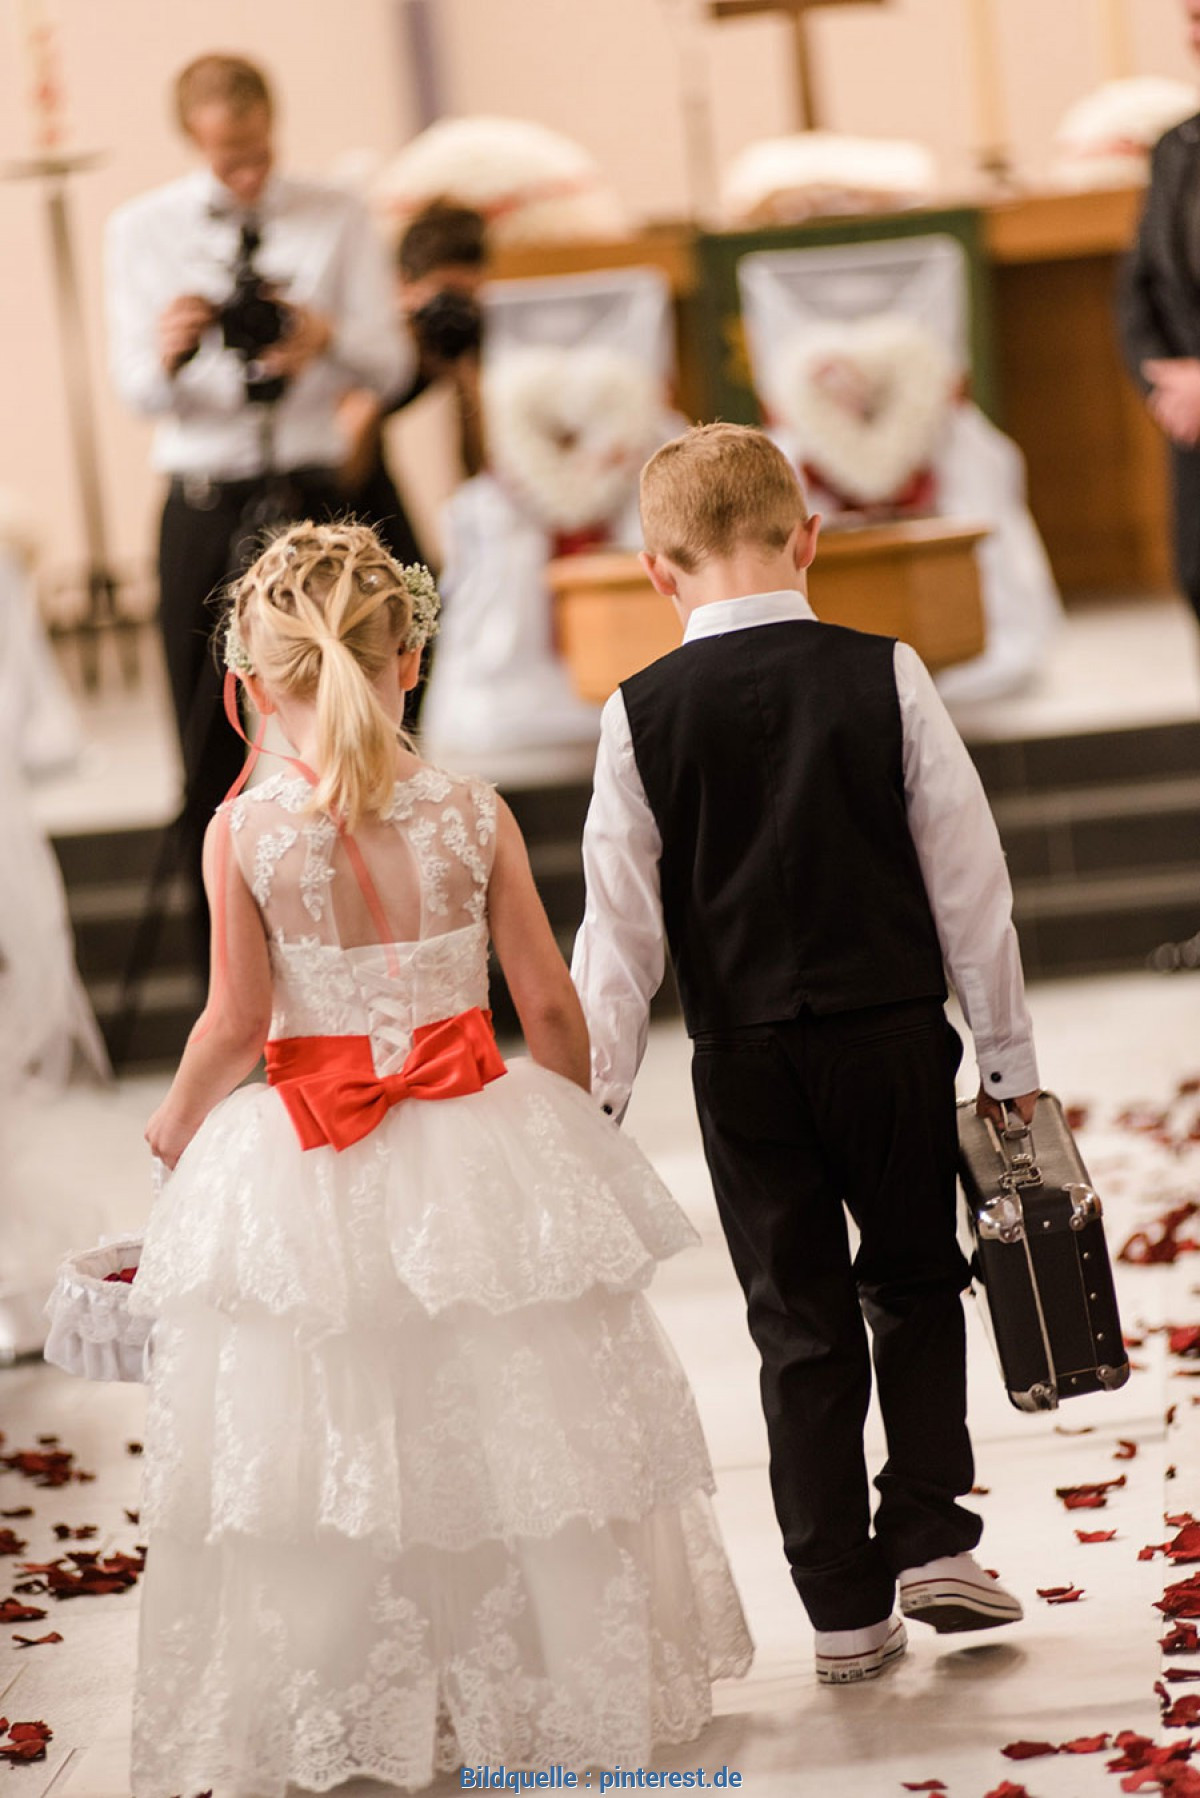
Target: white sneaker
x,y
846,1656
956,1593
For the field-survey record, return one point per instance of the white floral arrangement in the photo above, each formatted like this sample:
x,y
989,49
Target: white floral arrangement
x,y
812,174
1106,138
569,429
415,579
532,185
867,402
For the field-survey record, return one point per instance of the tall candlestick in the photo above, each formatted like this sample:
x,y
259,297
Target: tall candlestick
x,y
992,148
1118,39
37,24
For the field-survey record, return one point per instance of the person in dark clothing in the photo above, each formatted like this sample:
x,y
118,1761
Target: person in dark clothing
x,y
441,266
787,805
1158,315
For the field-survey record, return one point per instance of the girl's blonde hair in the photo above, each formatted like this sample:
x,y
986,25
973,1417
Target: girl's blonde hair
x,y
319,615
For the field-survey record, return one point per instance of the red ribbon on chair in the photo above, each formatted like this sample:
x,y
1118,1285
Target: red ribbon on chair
x,y
334,1097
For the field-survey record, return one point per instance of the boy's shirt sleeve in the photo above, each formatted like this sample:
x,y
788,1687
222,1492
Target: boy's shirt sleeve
x,y
619,957
966,878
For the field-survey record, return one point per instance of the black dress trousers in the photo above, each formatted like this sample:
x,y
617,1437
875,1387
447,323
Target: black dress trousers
x,y
1185,486
801,1121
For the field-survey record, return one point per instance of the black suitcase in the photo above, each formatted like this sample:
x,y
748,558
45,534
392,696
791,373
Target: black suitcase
x,y
1039,1261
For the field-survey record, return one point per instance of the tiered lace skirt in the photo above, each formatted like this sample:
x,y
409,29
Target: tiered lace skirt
x,y
425,1484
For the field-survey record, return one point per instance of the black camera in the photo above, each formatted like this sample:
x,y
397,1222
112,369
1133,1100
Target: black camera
x,y
251,320
448,326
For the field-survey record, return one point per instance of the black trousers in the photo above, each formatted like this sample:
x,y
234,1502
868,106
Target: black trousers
x,y
802,1120
204,541
1185,488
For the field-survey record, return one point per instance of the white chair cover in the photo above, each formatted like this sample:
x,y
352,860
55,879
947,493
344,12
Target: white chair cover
x,y
979,473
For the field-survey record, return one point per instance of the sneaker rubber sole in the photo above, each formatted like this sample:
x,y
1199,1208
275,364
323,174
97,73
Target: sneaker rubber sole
x,y
853,1669
952,1606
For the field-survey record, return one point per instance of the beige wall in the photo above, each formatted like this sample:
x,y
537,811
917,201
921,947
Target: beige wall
x,y
606,73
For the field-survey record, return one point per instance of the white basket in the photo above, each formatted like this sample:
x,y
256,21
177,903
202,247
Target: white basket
x,y
92,1332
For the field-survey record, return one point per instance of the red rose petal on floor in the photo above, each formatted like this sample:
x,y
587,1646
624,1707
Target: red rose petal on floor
x,y
30,1732
37,1641
1186,1545
1028,1751
1124,1451
1184,1713
1182,1599
924,1785
1151,1549
1086,1745
1094,1535
1090,1497
1060,1594
1077,1116
21,1510
1006,1789
1184,1340
136,1516
1184,1638
980,1491
12,1611
1134,1341
1177,1675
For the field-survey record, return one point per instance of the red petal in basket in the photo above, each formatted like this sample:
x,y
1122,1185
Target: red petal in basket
x,y
1094,1535
1086,1745
1028,1751
124,1274
1060,1594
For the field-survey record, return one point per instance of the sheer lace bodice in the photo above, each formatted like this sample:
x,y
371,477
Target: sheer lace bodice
x,y
429,857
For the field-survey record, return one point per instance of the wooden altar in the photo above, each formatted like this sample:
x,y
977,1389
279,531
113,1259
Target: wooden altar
x,y
917,580
1047,362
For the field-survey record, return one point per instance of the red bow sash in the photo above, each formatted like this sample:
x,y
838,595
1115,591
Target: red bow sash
x,y
334,1097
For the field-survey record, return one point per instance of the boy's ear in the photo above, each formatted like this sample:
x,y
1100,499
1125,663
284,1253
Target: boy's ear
x,y
660,575
804,541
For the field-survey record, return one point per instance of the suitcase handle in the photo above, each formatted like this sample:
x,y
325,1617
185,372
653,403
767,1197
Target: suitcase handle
x,y
1018,1149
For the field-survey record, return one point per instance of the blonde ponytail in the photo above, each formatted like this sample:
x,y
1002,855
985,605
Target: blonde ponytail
x,y
319,615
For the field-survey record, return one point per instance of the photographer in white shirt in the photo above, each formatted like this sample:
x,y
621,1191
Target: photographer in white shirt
x,y
242,305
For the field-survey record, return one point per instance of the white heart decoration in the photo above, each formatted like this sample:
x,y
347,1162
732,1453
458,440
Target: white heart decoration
x,y
569,429
866,402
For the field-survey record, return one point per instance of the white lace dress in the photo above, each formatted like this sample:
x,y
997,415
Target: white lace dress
x,y
425,1483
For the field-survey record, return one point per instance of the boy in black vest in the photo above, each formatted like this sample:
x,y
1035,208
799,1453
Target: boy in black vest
x,y
790,804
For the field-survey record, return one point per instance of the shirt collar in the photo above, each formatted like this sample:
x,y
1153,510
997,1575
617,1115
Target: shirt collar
x,y
724,615
218,202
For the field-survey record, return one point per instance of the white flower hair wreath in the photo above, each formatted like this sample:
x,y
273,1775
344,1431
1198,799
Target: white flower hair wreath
x,y
415,579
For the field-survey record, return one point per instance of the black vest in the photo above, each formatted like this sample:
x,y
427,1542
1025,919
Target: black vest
x,y
772,759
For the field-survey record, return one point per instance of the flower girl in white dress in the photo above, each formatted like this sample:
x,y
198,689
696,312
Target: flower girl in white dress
x,y
425,1483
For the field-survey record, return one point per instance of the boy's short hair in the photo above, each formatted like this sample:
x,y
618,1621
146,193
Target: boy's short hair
x,y
443,234
230,81
715,488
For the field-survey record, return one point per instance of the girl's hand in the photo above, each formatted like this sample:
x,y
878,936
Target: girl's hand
x,y
168,1135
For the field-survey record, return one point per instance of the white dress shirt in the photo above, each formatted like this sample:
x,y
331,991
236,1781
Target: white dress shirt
x,y
619,953
320,250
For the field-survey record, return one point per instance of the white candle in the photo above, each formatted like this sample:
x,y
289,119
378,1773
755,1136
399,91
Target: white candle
x,y
989,108
37,23
1118,39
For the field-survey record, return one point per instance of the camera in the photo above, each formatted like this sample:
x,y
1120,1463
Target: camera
x,y
251,320
448,326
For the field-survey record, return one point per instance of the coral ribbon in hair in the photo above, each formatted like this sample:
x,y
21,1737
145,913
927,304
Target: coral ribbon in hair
x,y
334,1097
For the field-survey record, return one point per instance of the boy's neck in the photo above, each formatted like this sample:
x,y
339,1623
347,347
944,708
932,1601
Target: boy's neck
x,y
738,577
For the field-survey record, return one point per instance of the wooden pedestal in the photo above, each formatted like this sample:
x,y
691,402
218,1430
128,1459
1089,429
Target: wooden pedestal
x,y
918,581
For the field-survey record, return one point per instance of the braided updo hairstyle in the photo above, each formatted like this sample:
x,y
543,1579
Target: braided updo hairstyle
x,y
319,615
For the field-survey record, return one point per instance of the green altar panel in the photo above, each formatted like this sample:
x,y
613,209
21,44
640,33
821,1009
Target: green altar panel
x,y
726,388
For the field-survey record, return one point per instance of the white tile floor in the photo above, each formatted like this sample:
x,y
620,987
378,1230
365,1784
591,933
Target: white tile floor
x,y
946,1711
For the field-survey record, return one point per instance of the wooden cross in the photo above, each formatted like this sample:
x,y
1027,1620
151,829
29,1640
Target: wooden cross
x,y
797,11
